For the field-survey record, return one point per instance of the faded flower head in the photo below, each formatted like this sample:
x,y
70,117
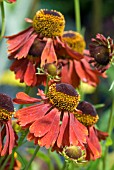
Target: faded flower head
x,y
101,52
49,23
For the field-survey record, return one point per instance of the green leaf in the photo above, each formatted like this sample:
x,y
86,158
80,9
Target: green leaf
x,y
108,141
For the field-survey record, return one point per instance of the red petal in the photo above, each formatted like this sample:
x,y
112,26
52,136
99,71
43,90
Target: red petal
x,y
74,78
49,139
31,114
5,147
12,137
63,138
48,54
26,47
41,126
30,74
79,129
23,98
18,40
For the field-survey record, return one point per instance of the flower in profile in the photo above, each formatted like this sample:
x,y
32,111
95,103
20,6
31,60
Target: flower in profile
x,y
101,52
78,71
89,118
7,135
52,122
39,43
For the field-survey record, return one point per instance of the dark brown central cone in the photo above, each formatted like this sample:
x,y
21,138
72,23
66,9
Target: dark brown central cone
x,y
6,102
101,55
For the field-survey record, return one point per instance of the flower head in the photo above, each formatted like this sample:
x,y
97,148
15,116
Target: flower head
x,y
49,23
89,118
101,52
78,71
75,154
7,136
52,122
38,45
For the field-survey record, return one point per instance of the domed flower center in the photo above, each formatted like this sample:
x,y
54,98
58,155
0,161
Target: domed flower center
x,y
89,115
101,55
74,40
63,96
6,107
49,23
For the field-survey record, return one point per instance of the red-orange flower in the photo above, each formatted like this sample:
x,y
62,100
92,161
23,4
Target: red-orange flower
x,y
39,43
52,121
75,70
89,118
7,135
101,52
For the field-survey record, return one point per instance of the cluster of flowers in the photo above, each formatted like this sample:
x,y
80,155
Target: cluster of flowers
x,y
59,120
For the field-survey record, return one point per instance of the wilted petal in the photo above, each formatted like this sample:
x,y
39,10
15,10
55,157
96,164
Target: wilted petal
x,y
18,40
26,47
48,54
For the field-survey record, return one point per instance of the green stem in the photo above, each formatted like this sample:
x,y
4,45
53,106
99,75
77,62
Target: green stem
x,y
5,162
109,130
77,15
46,88
32,158
3,19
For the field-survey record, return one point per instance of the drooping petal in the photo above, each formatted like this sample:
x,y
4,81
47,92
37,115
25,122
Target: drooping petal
x,y
63,138
30,74
6,144
32,113
18,40
48,54
93,145
26,47
41,126
74,78
12,137
49,139
78,128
